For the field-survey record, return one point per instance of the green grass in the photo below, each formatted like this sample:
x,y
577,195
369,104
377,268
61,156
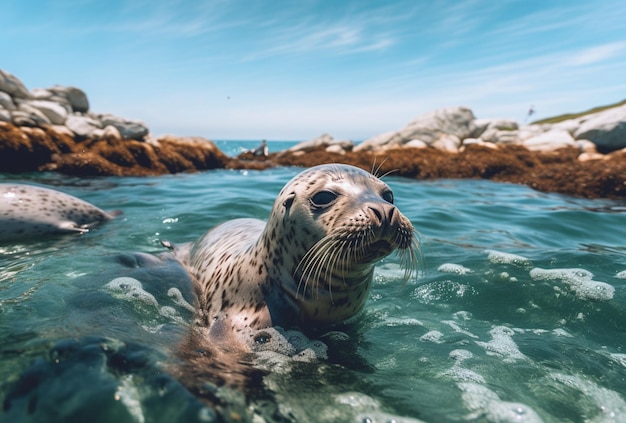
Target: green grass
x,y
561,118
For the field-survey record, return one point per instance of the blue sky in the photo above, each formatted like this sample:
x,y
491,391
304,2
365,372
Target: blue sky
x,y
277,69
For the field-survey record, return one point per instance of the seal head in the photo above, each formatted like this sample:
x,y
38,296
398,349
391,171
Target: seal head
x,y
311,265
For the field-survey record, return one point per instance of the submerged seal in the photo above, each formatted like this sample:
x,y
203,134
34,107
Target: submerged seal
x,y
28,211
309,266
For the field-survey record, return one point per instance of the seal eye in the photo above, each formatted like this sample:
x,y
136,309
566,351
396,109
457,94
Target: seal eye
x,y
388,196
323,198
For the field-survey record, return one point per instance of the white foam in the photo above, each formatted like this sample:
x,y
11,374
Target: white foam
x,y
458,329
459,373
396,321
610,405
502,344
579,280
621,275
177,297
498,257
454,268
130,289
128,394
433,336
367,409
618,358
486,405
275,347
434,292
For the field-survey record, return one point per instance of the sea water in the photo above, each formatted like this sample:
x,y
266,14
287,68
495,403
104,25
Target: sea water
x,y
518,315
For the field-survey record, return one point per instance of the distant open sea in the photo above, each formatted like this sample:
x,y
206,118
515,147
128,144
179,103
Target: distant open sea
x,y
519,314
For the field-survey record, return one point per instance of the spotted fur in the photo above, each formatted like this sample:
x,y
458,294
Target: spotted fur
x,y
28,211
310,265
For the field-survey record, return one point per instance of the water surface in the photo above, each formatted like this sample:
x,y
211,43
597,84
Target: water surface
x,y
519,315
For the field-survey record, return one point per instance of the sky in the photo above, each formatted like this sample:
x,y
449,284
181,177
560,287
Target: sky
x,y
293,70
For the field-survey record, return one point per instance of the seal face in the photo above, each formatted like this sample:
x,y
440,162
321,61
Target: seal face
x,y
28,211
310,265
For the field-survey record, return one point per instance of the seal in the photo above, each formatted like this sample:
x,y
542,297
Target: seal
x,y
309,266
29,211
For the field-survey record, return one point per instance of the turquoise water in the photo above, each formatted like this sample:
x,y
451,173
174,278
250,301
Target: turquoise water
x,y
519,315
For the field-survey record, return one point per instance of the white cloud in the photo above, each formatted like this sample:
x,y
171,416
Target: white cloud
x,y
598,54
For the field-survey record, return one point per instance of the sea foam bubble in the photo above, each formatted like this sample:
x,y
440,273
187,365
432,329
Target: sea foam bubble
x,y
580,281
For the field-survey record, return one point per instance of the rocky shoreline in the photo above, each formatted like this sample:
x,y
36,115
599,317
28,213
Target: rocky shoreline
x,y
53,129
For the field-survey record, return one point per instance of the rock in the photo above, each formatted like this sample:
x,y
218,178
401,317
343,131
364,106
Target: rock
x,y
416,144
25,118
499,136
35,114
6,102
11,85
378,141
5,115
56,113
82,126
550,141
62,130
76,97
478,141
570,125
428,127
322,140
606,129
530,131
447,142
128,129
335,149
503,124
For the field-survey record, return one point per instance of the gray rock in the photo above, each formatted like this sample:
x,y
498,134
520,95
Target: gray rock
x,y
82,126
56,113
428,127
74,96
335,149
323,140
22,118
447,142
6,102
415,144
37,115
5,115
11,85
109,131
550,141
128,129
570,125
606,129
498,136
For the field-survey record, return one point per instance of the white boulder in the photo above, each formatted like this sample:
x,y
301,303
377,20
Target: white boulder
x,y
447,142
428,127
37,115
606,129
550,141
5,115
415,144
323,140
82,126
56,113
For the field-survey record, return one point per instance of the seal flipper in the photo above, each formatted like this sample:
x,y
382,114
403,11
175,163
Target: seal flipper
x,y
71,226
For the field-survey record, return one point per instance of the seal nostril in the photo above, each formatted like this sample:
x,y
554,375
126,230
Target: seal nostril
x,y
391,211
378,214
